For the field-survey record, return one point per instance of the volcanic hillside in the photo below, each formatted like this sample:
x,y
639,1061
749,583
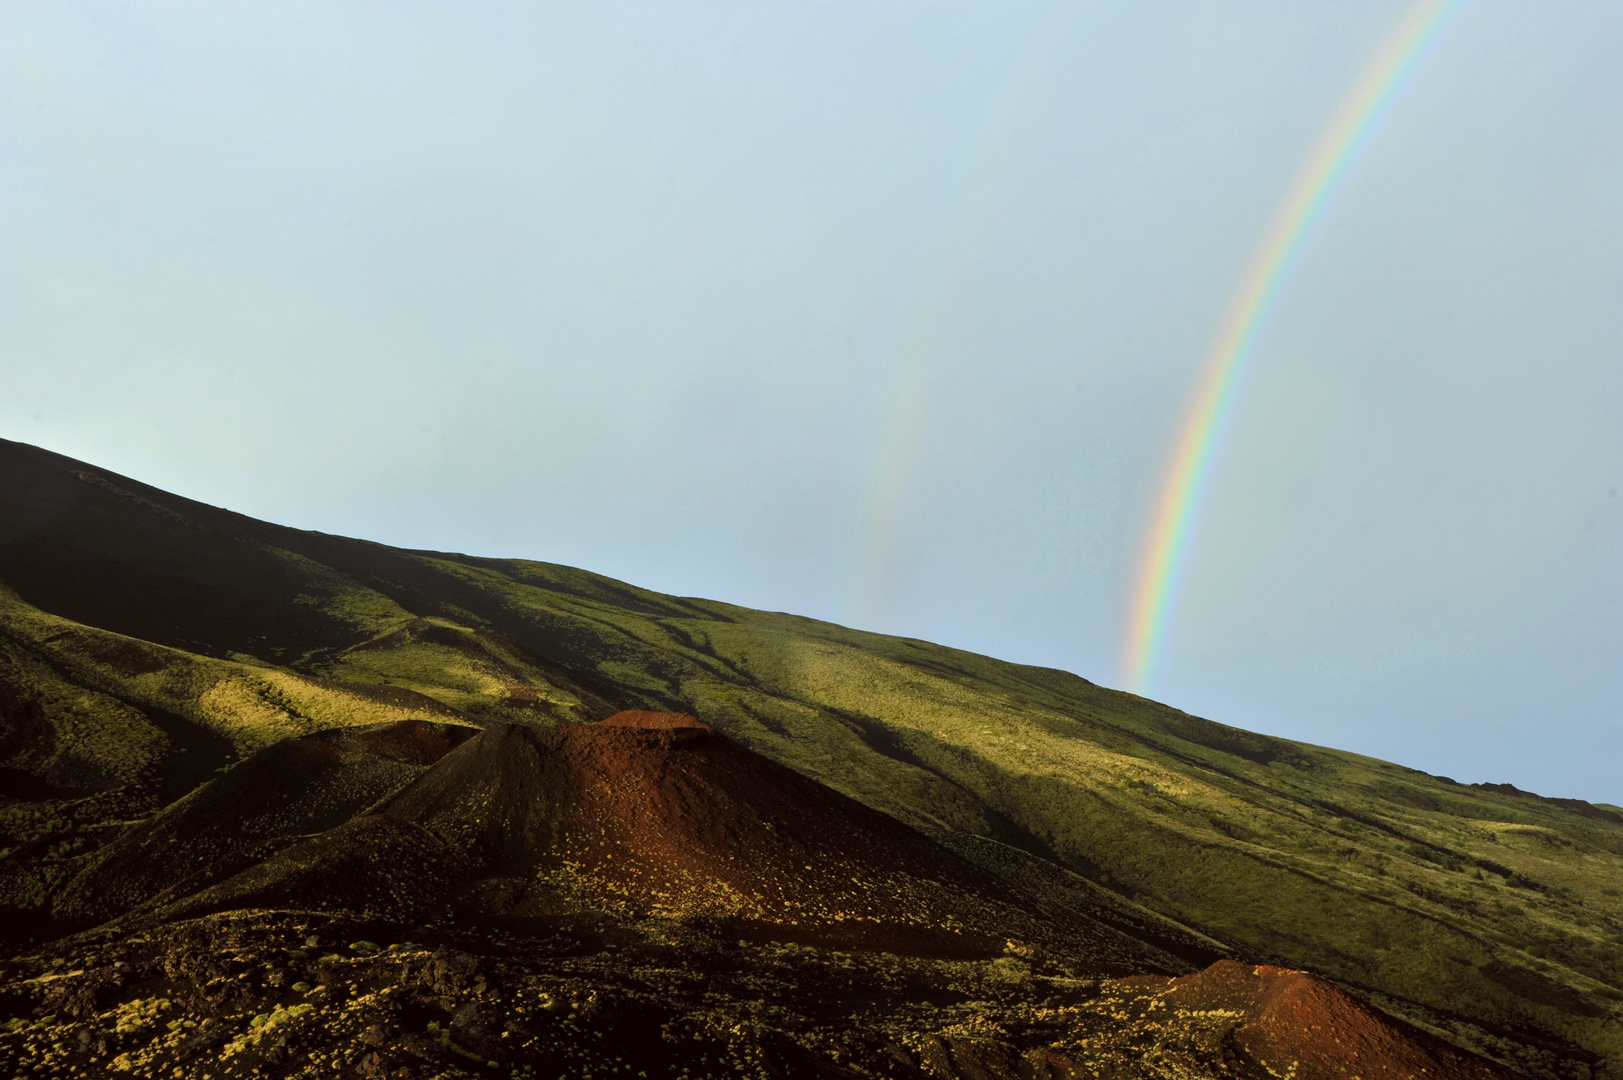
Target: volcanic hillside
x,y
148,641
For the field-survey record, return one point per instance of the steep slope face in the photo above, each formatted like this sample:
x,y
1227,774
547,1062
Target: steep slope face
x,y
1492,914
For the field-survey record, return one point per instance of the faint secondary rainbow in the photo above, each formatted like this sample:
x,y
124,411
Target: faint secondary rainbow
x,y
1162,560
901,427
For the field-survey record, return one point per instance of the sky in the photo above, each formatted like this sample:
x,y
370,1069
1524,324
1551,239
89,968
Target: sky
x,y
887,313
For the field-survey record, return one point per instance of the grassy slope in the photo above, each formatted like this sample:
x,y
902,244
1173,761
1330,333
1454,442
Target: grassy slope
x,y
1485,906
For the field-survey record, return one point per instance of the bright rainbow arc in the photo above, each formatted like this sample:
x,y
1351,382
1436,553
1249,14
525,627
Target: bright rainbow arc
x,y
1162,562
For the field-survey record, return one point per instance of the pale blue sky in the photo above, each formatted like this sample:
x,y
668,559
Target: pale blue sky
x,y
883,313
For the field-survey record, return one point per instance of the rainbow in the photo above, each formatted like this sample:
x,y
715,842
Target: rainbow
x,y
1162,560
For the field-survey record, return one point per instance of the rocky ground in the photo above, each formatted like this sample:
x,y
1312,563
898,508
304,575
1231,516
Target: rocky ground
x,y
286,994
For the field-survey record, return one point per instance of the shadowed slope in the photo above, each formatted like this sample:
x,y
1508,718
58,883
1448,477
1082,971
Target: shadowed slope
x,y
296,787
108,551
371,865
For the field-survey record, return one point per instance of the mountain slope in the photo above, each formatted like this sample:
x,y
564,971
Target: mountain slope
x,y
137,625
